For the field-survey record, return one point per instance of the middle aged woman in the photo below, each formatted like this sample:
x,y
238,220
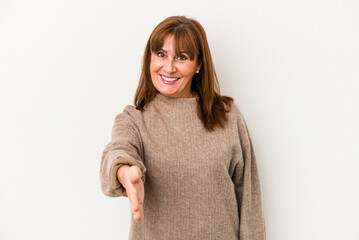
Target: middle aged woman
x,y
183,154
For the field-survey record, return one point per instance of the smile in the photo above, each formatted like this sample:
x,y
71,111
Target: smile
x,y
169,80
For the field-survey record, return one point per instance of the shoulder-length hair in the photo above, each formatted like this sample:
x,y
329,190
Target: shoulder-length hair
x,y
190,37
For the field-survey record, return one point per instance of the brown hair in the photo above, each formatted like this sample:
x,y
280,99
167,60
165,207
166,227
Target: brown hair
x,y
189,36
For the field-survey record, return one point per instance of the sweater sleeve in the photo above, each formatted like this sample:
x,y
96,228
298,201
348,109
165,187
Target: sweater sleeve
x,y
247,186
126,147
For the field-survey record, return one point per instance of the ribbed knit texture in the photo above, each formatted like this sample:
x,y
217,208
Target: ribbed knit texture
x,y
198,184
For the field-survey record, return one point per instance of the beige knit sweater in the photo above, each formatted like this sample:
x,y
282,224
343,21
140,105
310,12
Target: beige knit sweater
x,y
198,184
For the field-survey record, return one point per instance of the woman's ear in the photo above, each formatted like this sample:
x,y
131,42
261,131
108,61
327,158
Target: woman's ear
x,y
199,67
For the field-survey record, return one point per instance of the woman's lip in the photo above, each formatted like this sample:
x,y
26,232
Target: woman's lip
x,y
168,76
167,82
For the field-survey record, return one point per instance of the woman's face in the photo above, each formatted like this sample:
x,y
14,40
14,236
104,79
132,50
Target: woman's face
x,y
172,75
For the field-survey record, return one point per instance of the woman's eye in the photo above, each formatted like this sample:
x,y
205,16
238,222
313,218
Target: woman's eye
x,y
182,57
160,54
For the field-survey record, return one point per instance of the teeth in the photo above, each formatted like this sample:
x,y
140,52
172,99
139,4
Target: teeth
x,y
169,79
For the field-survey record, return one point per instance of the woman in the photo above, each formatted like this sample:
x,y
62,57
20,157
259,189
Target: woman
x,y
183,155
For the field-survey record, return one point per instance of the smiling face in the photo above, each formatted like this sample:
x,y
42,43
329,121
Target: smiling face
x,y
171,74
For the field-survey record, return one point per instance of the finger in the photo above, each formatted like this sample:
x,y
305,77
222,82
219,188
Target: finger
x,y
137,207
139,215
135,204
141,212
141,195
138,194
133,197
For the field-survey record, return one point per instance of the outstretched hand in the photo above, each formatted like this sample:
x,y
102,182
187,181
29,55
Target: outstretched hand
x,y
130,178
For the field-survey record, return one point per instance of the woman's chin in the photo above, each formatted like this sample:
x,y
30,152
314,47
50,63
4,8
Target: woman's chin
x,y
168,94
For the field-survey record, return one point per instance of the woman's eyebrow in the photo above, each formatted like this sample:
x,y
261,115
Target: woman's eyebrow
x,y
166,51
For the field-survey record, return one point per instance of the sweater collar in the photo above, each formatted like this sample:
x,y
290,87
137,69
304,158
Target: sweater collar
x,y
186,102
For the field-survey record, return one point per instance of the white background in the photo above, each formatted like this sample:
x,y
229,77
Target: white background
x,y
68,67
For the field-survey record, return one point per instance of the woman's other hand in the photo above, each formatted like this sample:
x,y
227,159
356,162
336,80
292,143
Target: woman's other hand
x,y
130,178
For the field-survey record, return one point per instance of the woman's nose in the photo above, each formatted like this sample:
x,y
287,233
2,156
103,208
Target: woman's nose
x,y
170,66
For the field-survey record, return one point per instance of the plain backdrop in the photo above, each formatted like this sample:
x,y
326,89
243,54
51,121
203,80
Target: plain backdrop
x,y
68,67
